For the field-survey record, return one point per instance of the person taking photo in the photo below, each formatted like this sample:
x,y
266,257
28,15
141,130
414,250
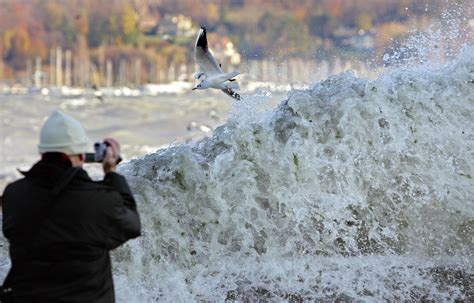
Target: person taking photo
x,y
61,225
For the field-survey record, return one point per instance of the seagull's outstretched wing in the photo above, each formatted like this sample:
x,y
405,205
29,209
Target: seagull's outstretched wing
x,y
232,93
223,77
203,55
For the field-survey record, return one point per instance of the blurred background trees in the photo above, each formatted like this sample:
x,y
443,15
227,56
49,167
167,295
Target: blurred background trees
x,y
163,31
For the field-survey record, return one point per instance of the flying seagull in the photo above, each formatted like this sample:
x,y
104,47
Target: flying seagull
x,y
211,74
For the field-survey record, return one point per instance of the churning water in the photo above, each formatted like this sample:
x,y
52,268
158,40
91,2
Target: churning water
x,y
353,189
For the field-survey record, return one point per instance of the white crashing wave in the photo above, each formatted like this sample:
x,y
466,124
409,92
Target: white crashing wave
x,y
352,189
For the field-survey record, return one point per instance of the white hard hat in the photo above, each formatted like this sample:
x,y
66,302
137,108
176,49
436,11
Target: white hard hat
x,y
62,133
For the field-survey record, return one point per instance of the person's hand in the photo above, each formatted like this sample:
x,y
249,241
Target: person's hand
x,y
111,155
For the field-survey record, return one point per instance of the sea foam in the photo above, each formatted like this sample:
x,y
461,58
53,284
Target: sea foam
x,y
351,189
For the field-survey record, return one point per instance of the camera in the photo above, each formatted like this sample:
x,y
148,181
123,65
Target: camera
x,y
100,148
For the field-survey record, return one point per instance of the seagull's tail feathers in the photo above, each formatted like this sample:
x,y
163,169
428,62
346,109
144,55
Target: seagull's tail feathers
x,y
232,94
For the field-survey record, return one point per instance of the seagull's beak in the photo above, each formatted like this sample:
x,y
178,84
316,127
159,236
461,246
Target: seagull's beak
x,y
194,88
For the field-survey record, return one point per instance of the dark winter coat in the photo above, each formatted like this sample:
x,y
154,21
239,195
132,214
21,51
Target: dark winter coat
x,y
59,243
